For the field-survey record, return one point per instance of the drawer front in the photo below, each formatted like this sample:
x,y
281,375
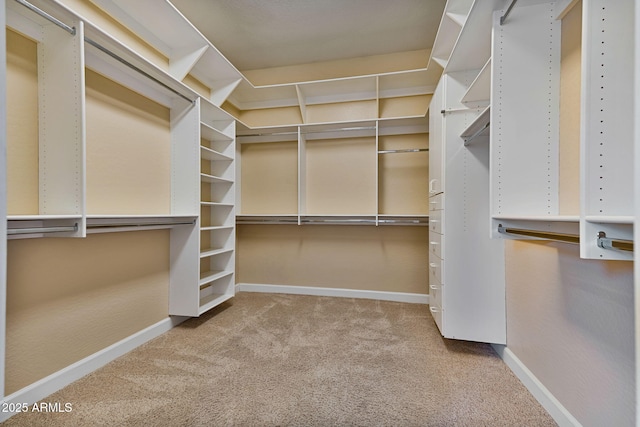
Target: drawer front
x,y
435,270
435,294
436,312
435,221
435,244
436,203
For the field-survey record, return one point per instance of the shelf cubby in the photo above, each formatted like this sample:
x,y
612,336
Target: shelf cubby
x,y
45,144
338,170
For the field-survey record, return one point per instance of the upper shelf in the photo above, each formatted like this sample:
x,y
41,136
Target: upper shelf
x,y
170,33
188,52
463,41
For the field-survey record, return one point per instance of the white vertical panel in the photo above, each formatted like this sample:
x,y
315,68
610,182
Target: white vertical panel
x,y
636,226
302,174
3,190
607,127
436,179
184,255
525,112
61,120
185,157
473,297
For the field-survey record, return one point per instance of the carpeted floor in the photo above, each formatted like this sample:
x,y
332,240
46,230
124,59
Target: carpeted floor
x,y
285,360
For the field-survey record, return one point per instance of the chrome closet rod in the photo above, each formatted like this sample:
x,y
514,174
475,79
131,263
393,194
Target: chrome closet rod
x,y
503,18
547,235
140,224
408,150
306,133
605,242
40,230
70,30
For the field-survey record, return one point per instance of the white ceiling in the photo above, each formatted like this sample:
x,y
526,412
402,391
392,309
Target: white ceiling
x,y
255,34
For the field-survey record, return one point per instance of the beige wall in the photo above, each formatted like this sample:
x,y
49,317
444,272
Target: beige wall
x,y
384,258
69,298
128,150
570,321
22,129
570,69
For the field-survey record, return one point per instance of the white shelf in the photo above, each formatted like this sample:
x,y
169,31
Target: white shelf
x,y
212,134
547,218
216,227
620,219
209,154
480,88
212,252
224,205
213,300
214,179
473,45
210,276
479,127
40,217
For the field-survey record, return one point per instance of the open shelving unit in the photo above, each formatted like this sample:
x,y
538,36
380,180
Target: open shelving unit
x,y
533,189
282,173
57,171
125,145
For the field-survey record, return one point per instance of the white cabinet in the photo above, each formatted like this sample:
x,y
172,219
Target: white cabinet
x,y
466,267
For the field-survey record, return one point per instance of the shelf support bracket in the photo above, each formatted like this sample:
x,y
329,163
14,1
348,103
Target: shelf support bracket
x,y
503,18
605,242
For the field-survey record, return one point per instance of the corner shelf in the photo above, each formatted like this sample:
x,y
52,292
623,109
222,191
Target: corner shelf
x,y
479,127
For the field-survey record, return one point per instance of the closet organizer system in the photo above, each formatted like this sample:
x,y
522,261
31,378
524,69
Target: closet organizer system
x,y
351,151
496,140
379,121
189,181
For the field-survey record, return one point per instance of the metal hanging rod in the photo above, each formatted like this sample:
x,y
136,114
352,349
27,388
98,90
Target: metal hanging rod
x,y
45,15
308,132
134,68
408,150
40,230
605,242
476,133
141,224
460,110
503,18
546,235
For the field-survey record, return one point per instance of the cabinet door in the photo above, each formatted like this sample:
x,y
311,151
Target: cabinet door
x,y
436,178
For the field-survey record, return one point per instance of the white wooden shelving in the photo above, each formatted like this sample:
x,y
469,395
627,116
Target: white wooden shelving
x,y
525,117
351,150
201,231
525,139
61,110
607,132
459,118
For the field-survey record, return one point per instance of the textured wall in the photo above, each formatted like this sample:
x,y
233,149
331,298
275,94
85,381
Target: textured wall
x,y
69,298
353,257
571,322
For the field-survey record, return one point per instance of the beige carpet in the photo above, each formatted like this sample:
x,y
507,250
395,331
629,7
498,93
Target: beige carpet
x,y
280,360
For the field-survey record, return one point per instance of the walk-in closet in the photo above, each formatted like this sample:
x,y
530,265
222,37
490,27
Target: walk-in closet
x,y
162,157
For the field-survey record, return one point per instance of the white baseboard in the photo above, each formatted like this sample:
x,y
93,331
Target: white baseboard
x,y
552,405
54,382
334,292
